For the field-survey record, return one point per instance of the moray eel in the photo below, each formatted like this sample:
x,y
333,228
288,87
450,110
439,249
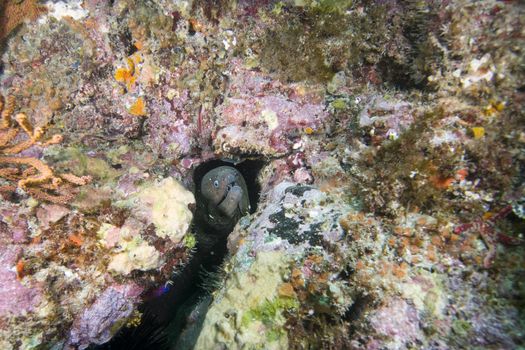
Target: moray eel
x,y
226,197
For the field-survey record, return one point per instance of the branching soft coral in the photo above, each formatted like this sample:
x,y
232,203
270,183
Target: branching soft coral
x,y
13,13
30,174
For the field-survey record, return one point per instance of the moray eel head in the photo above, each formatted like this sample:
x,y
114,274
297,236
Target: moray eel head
x,y
226,193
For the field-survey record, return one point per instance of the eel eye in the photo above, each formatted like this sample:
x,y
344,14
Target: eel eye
x,y
216,184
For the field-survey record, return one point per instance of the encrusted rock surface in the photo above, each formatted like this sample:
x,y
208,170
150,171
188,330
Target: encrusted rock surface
x,y
391,136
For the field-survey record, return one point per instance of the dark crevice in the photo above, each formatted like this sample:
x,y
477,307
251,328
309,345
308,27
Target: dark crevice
x,y
354,314
173,320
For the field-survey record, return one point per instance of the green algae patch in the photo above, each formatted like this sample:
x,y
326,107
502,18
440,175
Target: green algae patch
x,y
461,327
339,104
326,6
316,39
114,154
79,163
270,313
190,241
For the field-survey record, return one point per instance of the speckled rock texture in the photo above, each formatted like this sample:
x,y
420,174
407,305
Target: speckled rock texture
x,y
297,224
97,322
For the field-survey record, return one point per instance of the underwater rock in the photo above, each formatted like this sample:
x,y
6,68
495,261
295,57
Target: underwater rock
x,y
402,326
170,130
265,117
247,291
295,220
78,274
100,321
388,118
166,204
49,214
133,252
15,298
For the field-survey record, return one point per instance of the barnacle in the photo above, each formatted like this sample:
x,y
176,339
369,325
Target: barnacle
x,y
30,174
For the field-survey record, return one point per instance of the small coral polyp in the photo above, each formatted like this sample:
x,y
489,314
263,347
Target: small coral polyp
x,y
30,174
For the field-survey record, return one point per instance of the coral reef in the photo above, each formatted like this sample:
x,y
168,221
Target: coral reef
x,y
389,139
83,274
38,178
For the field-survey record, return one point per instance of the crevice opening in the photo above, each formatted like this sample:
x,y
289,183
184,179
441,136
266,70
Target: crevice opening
x,y
164,317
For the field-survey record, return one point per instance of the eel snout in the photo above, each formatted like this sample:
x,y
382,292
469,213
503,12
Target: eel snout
x,y
232,200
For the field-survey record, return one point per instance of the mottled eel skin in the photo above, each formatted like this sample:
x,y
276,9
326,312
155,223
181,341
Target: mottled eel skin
x,y
226,195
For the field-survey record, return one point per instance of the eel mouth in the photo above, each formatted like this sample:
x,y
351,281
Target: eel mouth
x,y
228,189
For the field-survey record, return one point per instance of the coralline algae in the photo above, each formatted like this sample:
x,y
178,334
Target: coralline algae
x,y
386,128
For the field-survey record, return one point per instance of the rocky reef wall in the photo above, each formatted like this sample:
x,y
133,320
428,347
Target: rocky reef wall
x,y
389,136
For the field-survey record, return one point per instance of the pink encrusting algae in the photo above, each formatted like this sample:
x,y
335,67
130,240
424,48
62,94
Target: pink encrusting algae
x,y
381,143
